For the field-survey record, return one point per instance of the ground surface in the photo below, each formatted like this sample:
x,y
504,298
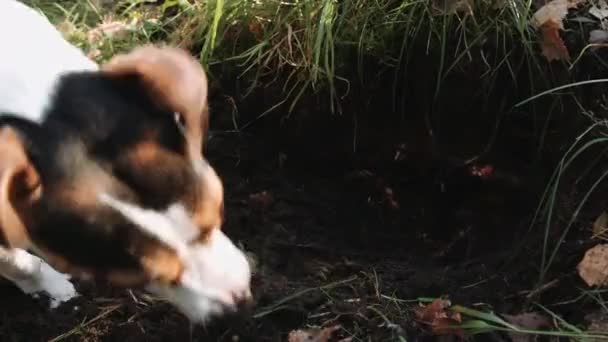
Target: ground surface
x,y
356,243
335,248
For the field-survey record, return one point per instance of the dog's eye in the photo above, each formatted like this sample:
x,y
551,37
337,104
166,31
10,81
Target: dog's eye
x,y
180,121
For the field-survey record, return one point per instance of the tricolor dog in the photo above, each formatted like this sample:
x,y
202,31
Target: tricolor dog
x,y
102,174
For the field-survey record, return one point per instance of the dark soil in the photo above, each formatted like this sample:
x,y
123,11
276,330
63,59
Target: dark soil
x,y
371,238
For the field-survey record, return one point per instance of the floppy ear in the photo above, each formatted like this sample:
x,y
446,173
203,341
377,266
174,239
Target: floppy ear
x,y
176,79
19,188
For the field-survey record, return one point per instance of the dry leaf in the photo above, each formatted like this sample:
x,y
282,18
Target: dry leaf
x,y
111,28
529,321
256,28
552,45
439,318
555,11
313,335
593,269
483,172
599,10
429,312
549,20
600,226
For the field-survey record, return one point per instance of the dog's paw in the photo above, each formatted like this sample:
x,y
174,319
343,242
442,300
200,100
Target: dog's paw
x,y
54,284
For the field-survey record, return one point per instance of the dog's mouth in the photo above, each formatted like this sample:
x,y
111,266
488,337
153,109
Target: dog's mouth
x,y
200,307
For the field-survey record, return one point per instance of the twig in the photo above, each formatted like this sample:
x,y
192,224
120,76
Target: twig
x,y
85,324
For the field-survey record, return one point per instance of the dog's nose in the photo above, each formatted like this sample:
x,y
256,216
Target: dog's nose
x,y
242,305
242,299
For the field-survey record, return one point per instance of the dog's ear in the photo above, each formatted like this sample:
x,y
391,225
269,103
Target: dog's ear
x,y
19,187
174,78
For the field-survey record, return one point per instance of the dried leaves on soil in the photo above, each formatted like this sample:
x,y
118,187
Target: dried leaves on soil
x,y
599,10
109,27
593,269
555,10
552,45
549,21
440,318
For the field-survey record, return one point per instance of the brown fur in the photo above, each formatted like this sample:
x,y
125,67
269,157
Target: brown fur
x,y
209,211
19,186
179,81
162,171
176,79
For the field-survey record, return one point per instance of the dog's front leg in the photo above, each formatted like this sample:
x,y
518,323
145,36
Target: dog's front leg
x,y
32,275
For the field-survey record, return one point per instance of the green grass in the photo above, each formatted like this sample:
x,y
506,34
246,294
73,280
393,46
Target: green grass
x,y
312,46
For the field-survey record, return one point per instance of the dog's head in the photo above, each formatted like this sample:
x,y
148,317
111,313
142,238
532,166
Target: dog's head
x,y
114,186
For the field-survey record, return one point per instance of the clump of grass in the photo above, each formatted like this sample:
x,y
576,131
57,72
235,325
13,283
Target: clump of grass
x,y
314,45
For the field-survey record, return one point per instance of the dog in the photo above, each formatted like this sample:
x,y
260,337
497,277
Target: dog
x,y
102,174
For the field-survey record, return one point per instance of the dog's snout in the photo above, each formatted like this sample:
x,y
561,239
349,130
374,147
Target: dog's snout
x,y
243,303
242,299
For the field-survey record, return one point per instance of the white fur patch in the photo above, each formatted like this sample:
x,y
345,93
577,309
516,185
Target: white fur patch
x,y
216,273
34,56
152,222
33,276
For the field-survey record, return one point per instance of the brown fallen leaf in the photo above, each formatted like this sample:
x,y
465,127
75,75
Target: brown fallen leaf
x,y
593,269
429,312
313,335
552,46
600,226
439,318
256,28
109,28
555,10
530,321
483,172
549,21
599,9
